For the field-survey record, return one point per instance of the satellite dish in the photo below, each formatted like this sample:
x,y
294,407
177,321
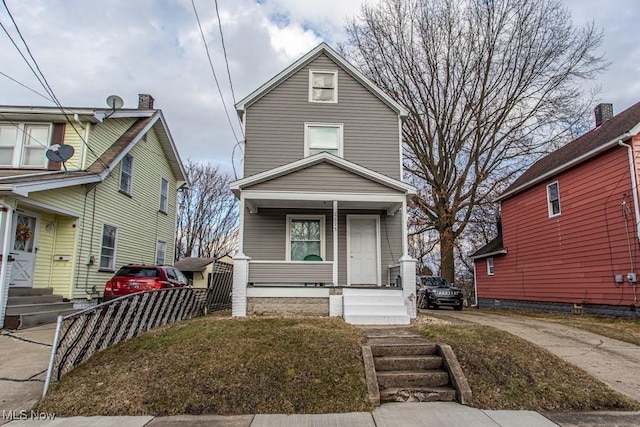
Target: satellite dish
x,y
59,152
115,102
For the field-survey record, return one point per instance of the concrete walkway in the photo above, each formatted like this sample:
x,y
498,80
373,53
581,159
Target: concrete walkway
x,y
615,363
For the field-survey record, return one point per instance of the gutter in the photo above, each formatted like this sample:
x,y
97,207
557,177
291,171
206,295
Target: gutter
x,y
490,254
634,184
567,165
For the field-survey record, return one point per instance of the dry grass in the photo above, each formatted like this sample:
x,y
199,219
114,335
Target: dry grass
x,y
506,372
214,365
627,330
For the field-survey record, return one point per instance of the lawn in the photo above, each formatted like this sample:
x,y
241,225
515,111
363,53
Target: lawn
x,y
214,365
507,372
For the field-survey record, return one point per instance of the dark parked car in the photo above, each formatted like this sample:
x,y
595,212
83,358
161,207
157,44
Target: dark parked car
x,y
436,292
137,278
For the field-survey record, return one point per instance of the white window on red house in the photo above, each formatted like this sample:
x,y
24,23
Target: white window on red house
x,y
553,196
489,266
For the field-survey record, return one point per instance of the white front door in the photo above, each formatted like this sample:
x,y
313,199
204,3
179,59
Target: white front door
x,y
23,249
363,250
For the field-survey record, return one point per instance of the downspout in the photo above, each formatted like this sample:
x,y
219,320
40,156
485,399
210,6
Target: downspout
x,y
634,185
5,257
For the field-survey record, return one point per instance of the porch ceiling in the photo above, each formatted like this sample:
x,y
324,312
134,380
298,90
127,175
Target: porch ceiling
x,y
391,207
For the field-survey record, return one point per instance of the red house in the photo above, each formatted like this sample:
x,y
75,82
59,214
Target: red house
x,y
569,238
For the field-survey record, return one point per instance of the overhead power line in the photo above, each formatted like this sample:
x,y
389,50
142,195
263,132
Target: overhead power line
x,y
25,86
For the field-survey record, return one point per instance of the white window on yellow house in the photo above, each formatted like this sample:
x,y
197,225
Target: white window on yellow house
x,y
24,144
108,247
126,174
161,253
164,195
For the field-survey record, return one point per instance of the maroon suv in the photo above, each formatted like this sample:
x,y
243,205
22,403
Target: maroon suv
x,y
137,278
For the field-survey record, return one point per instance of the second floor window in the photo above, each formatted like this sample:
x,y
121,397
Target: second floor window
x,y
490,266
553,195
24,144
323,86
126,174
320,138
164,193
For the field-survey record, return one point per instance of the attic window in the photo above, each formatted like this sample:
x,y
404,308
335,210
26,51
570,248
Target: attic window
x,y
553,197
323,86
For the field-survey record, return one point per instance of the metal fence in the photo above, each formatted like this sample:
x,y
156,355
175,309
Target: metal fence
x,y
80,335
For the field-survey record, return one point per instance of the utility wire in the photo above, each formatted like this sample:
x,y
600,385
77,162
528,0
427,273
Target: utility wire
x,y
226,60
213,71
42,79
25,86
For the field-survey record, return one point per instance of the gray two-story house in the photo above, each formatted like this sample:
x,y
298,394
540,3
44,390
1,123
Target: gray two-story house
x,y
322,203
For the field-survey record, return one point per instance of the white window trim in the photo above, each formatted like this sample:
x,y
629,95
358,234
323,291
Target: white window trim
x,y
549,206
335,86
18,148
164,208
323,237
130,190
340,127
378,244
115,248
490,267
164,261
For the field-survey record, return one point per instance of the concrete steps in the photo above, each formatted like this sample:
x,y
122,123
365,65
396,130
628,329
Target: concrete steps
x,y
374,306
28,307
407,367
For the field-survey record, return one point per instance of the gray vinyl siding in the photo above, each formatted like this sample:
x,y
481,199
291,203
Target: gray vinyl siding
x,y
326,178
309,272
275,124
265,237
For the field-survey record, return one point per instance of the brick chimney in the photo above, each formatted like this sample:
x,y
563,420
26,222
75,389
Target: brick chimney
x,y
603,113
145,102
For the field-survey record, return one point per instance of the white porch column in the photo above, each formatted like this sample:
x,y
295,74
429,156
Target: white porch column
x,y
407,269
334,222
5,265
240,280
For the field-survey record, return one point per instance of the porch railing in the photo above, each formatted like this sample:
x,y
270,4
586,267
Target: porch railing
x,y
290,272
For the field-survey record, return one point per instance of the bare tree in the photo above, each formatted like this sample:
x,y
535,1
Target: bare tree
x,y
208,214
490,85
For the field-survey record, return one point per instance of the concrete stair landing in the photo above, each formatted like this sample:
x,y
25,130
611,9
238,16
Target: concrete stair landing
x,y
374,306
28,307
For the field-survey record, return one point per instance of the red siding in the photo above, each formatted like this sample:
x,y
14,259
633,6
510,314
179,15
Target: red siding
x,y
572,257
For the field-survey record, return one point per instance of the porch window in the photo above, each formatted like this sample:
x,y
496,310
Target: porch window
x,y
164,193
126,174
108,247
305,237
553,196
161,252
24,144
323,86
323,137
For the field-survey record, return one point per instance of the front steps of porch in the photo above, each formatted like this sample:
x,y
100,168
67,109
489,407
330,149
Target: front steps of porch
x,y
28,307
374,306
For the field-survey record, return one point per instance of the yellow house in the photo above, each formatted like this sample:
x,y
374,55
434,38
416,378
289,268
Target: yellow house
x,y
82,192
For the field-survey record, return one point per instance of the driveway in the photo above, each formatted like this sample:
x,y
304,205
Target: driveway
x,y
24,359
615,363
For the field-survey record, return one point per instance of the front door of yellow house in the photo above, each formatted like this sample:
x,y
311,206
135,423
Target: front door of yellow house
x,y
23,249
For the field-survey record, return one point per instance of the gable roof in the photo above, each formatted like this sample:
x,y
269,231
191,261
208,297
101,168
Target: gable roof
x,y
494,247
306,59
306,162
22,182
619,128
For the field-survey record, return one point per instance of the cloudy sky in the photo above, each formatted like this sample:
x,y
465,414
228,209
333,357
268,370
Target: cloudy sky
x,y
88,50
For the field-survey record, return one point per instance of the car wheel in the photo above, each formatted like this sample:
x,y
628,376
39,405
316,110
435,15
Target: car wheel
x,y
458,307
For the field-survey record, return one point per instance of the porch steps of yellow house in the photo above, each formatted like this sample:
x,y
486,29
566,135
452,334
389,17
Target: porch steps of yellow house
x,y
28,307
374,306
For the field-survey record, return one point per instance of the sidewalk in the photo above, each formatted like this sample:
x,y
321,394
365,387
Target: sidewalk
x,y
435,414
